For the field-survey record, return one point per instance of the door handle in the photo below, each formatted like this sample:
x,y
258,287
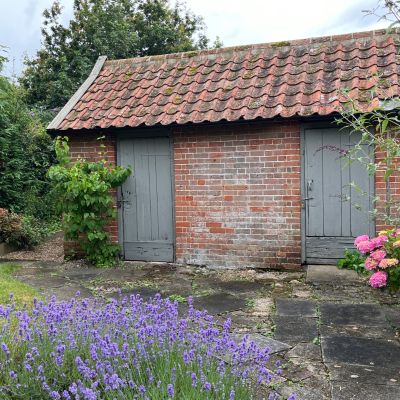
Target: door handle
x,y
309,185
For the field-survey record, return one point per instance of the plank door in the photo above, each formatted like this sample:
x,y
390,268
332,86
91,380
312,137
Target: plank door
x,y
146,200
335,211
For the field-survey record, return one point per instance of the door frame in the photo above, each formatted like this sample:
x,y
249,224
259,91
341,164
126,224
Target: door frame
x,y
143,134
303,213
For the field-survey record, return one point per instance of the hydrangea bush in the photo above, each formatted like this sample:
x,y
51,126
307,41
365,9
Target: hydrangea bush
x,y
125,349
383,258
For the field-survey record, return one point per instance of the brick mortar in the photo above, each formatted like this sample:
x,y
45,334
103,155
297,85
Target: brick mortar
x,y
237,195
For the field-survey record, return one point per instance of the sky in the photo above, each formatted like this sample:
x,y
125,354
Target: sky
x,y
236,22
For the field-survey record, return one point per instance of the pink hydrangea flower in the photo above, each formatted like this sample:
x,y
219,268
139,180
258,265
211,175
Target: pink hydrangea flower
x,y
378,279
380,240
388,262
370,264
361,238
365,246
378,255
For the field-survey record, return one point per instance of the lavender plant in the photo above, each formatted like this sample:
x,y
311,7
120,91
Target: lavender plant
x,y
126,349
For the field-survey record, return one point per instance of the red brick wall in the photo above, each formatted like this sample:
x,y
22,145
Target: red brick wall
x,y
89,147
386,192
237,195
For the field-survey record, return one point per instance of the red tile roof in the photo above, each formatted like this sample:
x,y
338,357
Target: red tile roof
x,y
286,79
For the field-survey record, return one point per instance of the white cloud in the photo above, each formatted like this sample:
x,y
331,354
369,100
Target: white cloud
x,y
255,21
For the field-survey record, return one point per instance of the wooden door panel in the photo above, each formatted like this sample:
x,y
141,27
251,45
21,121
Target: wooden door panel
x,y
147,200
332,218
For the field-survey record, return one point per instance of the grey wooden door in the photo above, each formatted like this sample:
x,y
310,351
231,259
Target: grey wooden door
x,y
146,200
335,210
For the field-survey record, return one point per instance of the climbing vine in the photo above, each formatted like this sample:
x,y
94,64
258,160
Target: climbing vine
x,y
84,192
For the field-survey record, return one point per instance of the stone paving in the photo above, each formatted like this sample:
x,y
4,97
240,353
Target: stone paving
x,y
337,338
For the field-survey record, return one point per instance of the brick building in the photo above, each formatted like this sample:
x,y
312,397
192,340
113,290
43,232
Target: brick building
x,y
231,148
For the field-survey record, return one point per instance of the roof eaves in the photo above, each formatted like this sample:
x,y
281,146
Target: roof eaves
x,y
78,94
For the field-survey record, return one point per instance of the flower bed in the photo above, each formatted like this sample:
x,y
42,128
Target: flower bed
x,y
125,350
383,255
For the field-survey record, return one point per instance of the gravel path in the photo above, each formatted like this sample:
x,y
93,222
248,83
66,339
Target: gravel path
x,y
51,250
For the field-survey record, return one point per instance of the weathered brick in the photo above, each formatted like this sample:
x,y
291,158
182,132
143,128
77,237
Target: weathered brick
x,y
242,216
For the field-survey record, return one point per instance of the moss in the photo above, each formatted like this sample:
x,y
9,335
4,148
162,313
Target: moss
x,y
177,99
169,91
191,54
248,75
127,76
192,70
227,88
280,44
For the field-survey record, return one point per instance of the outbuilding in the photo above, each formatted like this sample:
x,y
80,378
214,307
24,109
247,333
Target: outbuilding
x,y
231,148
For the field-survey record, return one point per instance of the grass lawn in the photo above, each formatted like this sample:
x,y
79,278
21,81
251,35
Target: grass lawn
x,y
22,292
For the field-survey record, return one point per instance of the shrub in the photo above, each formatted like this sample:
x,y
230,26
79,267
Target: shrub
x,y
85,200
24,231
382,258
125,350
353,260
10,225
26,153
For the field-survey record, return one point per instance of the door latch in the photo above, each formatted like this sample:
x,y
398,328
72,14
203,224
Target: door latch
x,y
121,201
303,201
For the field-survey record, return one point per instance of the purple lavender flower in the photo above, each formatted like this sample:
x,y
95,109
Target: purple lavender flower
x,y
170,390
4,348
78,349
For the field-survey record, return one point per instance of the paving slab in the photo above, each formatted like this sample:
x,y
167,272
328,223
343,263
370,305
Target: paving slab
x,y
353,314
262,341
292,307
145,292
393,316
362,351
304,393
240,286
373,332
295,329
243,320
305,351
67,291
361,374
219,303
350,391
328,274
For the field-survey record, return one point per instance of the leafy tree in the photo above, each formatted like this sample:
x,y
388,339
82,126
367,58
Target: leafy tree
x,y
25,154
115,28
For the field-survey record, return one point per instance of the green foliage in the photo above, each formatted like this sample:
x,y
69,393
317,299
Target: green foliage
x,y
26,153
24,231
83,190
353,260
115,28
379,131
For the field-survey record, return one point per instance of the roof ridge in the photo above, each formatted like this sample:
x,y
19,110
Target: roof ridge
x,y
278,44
